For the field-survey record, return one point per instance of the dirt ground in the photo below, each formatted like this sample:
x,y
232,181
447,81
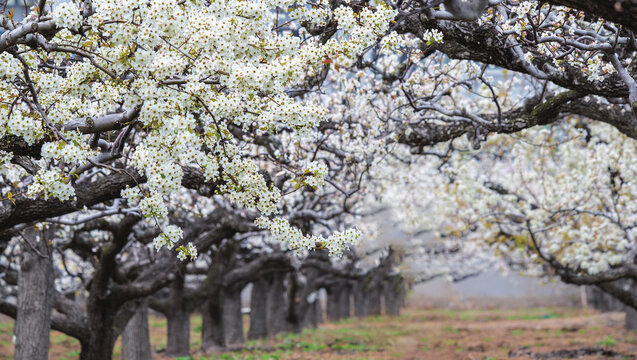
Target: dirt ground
x,y
541,333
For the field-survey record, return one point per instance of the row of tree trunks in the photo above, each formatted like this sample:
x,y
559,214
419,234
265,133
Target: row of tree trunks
x,y
272,311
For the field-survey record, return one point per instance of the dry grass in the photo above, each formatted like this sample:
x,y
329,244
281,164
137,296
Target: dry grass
x,y
418,334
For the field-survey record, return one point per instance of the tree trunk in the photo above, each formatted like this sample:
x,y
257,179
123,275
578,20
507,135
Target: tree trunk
x,y
602,301
276,305
333,295
231,317
631,314
374,294
178,317
258,310
318,310
101,317
361,300
136,338
212,339
390,287
344,296
309,315
35,299
296,304
312,316
631,319
402,293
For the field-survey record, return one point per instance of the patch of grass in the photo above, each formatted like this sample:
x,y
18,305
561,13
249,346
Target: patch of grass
x,y
354,347
516,332
608,341
451,330
159,323
58,338
375,318
308,346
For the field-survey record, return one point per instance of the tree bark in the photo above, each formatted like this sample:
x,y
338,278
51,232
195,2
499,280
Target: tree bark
x,y
178,317
312,316
231,317
309,318
402,293
258,310
35,299
375,307
390,290
631,319
136,338
318,310
361,300
602,301
276,305
333,295
212,339
102,337
344,298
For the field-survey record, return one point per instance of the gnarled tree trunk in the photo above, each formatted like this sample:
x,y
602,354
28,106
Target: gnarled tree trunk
x,y
344,296
35,299
318,310
258,310
212,339
375,294
178,317
276,305
333,295
136,338
631,319
101,317
361,300
231,318
312,316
